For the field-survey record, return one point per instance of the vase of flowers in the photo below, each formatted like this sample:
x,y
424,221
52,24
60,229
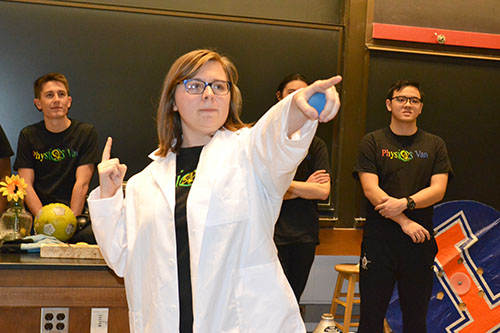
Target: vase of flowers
x,y
16,222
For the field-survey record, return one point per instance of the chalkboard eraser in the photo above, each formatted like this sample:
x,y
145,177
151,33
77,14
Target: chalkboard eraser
x,y
318,101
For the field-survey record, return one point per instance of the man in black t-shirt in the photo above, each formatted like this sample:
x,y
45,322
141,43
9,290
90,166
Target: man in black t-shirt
x,y
5,154
403,171
56,156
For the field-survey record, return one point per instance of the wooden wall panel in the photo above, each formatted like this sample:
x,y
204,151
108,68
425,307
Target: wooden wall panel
x,y
340,242
24,291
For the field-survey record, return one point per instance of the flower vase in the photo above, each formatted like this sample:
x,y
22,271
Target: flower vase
x,y
16,222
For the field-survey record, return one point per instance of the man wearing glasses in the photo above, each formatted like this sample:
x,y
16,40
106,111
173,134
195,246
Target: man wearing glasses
x,y
403,171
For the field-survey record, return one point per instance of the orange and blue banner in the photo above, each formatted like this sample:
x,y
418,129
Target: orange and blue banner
x,y
466,291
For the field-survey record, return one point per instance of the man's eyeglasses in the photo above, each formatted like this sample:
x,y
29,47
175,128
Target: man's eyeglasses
x,y
404,100
197,87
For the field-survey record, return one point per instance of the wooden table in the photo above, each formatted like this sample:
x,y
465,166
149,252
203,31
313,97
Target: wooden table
x,y
28,283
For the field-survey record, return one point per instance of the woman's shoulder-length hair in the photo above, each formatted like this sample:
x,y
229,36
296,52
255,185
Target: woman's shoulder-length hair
x,y
185,67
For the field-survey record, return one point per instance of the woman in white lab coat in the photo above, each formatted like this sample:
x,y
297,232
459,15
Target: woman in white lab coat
x,y
193,237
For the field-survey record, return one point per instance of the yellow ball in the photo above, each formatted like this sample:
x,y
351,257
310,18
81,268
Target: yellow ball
x,y
56,219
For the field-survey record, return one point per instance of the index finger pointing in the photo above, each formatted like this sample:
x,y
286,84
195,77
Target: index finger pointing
x,y
324,85
106,153
333,80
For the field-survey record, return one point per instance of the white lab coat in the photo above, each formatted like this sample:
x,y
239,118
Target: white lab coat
x,y
238,283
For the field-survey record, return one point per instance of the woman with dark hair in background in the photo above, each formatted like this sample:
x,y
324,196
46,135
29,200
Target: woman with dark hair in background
x,y
297,229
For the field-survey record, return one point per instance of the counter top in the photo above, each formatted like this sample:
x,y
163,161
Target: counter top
x,y
33,261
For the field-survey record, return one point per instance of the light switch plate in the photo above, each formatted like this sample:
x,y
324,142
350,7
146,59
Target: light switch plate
x,y
99,320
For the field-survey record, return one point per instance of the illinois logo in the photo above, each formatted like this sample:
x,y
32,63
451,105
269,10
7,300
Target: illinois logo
x,y
185,179
466,291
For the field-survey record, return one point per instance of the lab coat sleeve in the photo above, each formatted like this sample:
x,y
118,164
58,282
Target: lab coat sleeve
x,y
108,224
273,154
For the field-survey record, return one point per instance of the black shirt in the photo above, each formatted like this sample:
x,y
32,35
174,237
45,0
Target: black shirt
x,y
404,166
186,163
299,218
55,157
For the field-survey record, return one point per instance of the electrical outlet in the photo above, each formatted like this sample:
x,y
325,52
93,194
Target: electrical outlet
x,y
99,320
54,320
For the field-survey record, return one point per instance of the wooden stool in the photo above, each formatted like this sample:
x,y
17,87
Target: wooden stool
x,y
349,272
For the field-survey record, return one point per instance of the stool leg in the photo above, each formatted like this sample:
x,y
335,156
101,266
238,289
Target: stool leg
x,y
349,302
336,293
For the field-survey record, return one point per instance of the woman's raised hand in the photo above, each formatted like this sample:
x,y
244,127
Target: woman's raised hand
x,y
111,172
332,104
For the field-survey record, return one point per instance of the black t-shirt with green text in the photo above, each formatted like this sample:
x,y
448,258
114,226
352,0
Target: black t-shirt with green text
x,y
55,157
186,163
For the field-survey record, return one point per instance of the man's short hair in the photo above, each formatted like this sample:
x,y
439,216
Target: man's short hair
x,y
38,85
401,84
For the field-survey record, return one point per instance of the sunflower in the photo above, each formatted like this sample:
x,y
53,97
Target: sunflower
x,y
14,188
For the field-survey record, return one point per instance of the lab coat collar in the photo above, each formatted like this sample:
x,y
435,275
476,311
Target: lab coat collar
x,y
163,172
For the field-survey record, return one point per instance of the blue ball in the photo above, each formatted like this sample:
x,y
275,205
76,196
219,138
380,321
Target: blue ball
x,y
318,101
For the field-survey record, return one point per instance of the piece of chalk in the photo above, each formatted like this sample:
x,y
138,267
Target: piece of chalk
x,y
318,101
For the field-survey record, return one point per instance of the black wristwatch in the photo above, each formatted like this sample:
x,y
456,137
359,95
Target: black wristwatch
x,y
410,204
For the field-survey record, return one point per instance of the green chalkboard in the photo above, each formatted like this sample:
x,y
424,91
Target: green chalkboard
x,y
116,61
